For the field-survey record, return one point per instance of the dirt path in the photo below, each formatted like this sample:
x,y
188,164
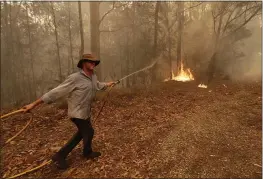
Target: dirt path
x,y
169,130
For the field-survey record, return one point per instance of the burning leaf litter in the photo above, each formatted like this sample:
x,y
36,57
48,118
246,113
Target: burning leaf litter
x,y
202,86
183,75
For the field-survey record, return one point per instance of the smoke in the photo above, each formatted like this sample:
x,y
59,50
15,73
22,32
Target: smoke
x,y
237,59
248,67
197,46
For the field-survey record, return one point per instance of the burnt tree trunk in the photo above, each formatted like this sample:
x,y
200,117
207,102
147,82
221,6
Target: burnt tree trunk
x,y
180,34
217,34
167,24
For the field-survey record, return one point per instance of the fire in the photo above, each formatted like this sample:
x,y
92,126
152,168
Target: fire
x,y
202,86
183,75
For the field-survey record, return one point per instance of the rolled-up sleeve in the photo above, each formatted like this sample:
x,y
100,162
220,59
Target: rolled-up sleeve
x,y
101,85
63,89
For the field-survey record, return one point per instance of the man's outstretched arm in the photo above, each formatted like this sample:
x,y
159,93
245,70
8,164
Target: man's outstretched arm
x,y
63,89
30,106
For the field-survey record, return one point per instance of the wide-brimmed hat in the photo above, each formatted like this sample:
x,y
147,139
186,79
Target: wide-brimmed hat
x,y
88,57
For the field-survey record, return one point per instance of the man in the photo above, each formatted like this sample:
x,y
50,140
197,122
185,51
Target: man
x,y
81,88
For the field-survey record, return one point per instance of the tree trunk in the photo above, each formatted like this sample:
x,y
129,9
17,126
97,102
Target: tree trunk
x,y
31,55
127,55
156,19
167,24
95,33
81,31
180,34
121,62
24,76
170,54
134,37
218,34
70,38
57,44
11,53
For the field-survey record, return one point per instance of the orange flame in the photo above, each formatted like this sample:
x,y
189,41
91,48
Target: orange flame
x,y
202,85
183,75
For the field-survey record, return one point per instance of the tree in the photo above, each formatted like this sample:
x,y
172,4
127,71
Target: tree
x,y
95,23
31,54
180,34
81,31
168,28
70,40
133,33
155,41
228,19
57,43
95,34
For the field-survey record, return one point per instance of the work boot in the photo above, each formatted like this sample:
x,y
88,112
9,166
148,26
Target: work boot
x,y
92,155
60,161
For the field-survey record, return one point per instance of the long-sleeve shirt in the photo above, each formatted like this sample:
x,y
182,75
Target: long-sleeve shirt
x,y
80,89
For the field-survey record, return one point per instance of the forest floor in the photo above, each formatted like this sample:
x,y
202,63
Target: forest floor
x,y
171,129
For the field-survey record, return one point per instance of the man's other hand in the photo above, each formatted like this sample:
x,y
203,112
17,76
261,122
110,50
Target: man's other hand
x,y
109,84
28,107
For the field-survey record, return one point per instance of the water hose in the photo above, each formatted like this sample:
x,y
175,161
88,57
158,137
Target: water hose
x,y
103,104
12,113
31,170
19,132
49,161
105,97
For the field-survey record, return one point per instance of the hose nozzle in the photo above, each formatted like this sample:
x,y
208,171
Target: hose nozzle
x,y
116,82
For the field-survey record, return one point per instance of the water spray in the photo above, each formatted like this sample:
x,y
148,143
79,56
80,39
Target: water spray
x,y
143,69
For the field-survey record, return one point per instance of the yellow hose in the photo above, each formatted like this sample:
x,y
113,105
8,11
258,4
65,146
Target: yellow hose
x,y
49,161
31,170
103,103
11,113
10,139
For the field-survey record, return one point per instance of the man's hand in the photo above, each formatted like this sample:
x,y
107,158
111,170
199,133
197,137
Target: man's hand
x,y
31,106
109,84
28,107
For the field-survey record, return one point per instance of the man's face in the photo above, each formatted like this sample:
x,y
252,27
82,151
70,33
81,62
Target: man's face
x,y
89,65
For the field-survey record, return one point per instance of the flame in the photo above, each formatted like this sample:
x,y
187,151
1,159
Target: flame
x,y
183,75
202,86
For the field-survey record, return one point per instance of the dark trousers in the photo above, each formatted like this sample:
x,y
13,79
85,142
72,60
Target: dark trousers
x,y
85,132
